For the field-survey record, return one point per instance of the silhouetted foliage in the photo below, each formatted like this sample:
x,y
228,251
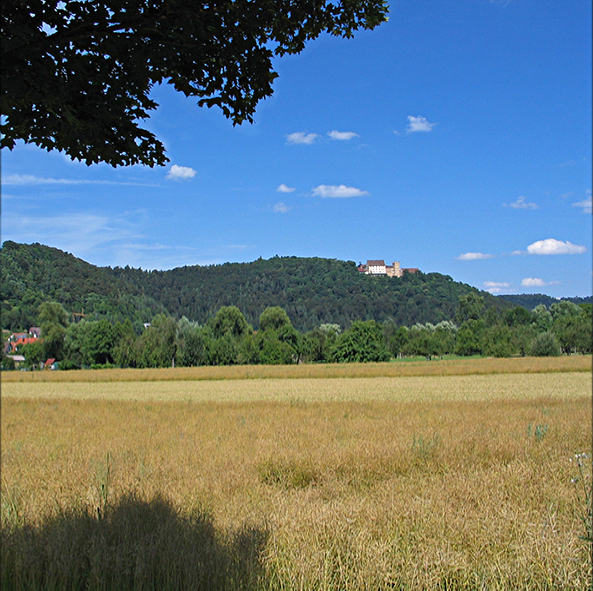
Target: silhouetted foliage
x,y
132,545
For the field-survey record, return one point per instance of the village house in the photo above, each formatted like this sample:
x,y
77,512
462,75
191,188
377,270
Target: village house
x,y
378,267
15,342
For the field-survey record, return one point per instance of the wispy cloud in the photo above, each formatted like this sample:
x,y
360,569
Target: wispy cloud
x,y
284,189
536,282
281,207
181,173
552,246
474,256
80,233
29,179
419,124
300,137
496,287
342,135
100,239
338,191
521,204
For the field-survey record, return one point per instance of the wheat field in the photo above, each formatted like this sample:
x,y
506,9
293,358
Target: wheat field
x,y
345,483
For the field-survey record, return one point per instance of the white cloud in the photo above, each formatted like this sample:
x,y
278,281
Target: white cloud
x,y
300,137
565,195
338,191
419,124
342,135
181,173
281,207
521,204
553,246
496,287
533,282
474,256
284,189
585,203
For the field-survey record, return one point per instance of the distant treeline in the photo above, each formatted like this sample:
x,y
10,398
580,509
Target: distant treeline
x,y
228,339
532,300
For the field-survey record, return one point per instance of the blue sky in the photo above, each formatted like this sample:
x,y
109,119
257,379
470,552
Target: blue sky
x,y
455,138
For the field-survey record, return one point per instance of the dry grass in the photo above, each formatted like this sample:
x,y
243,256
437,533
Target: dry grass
x,y
387,483
443,367
478,387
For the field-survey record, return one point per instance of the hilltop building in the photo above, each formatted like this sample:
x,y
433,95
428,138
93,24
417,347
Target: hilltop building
x,y
378,267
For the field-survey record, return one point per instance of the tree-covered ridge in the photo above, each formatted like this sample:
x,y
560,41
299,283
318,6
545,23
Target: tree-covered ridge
x,y
32,274
312,291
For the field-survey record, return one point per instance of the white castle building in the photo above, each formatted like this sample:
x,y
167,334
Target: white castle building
x,y
378,267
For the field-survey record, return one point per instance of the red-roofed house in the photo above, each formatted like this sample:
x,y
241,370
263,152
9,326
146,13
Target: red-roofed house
x,y
18,339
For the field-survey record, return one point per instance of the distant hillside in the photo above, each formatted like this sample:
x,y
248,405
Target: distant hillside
x,y
33,273
530,301
311,290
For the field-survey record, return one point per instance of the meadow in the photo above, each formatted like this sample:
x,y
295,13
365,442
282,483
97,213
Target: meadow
x,y
384,476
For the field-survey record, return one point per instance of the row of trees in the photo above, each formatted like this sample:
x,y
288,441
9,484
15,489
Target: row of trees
x,y
228,339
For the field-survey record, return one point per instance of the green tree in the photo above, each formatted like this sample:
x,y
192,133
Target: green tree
x,y
34,353
499,341
98,343
395,338
422,341
518,316
248,353
523,337
125,350
545,344
273,318
445,333
156,346
542,319
469,307
54,321
573,330
363,341
317,344
76,76
470,337
74,340
229,320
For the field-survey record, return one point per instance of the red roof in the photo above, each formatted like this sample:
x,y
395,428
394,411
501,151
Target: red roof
x,y
21,340
375,263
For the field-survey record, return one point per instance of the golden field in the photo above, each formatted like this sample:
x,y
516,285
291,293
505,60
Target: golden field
x,y
369,481
399,368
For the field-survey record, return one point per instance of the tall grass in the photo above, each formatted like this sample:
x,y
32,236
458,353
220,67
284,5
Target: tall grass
x,y
408,492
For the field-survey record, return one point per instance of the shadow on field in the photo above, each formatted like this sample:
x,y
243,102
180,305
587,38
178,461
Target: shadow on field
x,y
137,545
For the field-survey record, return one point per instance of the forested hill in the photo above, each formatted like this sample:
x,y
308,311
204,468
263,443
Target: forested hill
x,y
33,274
311,290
